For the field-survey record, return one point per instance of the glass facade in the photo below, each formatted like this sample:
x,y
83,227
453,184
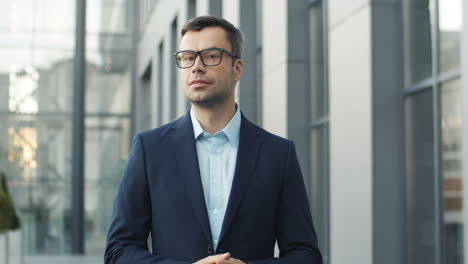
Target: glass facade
x,y
107,117
417,40
450,24
433,111
36,106
319,131
420,196
145,117
36,76
452,170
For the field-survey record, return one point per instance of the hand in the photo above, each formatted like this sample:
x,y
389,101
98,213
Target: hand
x,y
215,259
231,261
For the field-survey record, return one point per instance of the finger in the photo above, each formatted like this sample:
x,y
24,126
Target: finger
x,y
225,256
227,261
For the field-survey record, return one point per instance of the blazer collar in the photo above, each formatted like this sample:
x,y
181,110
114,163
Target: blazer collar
x,y
188,169
250,140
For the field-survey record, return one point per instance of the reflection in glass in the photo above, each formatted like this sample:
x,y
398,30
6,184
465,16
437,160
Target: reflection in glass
x,y
450,23
107,144
417,41
319,134
107,110
318,96
23,87
420,197
452,172
36,73
319,183
145,105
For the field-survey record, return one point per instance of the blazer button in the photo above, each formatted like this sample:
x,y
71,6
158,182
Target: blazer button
x,y
221,250
210,249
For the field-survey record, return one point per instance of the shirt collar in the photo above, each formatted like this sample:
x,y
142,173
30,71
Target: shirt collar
x,y
232,129
197,128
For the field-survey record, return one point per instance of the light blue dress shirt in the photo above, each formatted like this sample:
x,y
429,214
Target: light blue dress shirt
x,y
217,156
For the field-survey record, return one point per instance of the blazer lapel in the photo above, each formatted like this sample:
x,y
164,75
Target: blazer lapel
x,y
249,144
187,165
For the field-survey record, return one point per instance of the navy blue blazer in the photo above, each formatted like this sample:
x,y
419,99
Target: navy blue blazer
x,y
161,194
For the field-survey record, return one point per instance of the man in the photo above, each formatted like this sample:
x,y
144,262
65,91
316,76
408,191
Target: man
x,y
211,187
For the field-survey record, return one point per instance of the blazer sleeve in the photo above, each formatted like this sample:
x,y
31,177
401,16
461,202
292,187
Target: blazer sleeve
x,y
131,217
297,240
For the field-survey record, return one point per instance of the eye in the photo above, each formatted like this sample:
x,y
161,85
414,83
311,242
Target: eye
x,y
212,55
185,57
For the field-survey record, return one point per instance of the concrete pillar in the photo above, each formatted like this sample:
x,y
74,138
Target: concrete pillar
x,y
286,85
247,88
275,68
388,166
203,7
231,11
350,90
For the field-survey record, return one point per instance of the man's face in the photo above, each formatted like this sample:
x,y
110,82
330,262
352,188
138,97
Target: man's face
x,y
209,85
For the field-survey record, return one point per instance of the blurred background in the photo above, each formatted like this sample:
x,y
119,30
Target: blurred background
x,y
371,91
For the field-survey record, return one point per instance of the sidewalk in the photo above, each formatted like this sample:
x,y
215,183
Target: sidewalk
x,y
14,255
55,260
62,259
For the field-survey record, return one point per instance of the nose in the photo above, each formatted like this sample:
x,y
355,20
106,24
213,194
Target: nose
x,y
198,66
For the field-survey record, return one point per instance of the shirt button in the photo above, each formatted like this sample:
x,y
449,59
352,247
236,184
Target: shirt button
x,y
210,249
215,211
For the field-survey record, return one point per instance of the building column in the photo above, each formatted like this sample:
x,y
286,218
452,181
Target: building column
x,y
350,112
388,171
203,7
367,183
247,88
286,85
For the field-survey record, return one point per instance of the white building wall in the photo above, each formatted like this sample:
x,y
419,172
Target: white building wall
x,y
167,82
231,12
156,30
275,67
350,90
203,7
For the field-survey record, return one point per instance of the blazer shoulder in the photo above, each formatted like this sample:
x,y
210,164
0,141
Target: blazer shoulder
x,y
271,138
272,141
158,134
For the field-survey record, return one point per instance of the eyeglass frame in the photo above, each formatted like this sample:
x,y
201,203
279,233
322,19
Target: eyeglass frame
x,y
197,53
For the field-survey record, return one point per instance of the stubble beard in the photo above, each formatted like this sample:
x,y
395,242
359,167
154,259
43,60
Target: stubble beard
x,y
210,100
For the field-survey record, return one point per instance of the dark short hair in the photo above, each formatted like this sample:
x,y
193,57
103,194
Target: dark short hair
x,y
233,34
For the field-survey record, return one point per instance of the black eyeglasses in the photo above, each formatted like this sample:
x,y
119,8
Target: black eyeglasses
x,y
209,57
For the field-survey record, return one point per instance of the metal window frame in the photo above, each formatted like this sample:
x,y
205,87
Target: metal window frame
x,y
78,132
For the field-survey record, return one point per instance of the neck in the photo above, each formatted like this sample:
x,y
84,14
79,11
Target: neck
x,y
214,118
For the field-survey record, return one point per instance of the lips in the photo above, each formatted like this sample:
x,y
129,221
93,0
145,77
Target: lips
x,y
198,83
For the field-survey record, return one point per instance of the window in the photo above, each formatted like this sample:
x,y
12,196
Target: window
x,y
145,108
319,124
173,88
432,93
160,92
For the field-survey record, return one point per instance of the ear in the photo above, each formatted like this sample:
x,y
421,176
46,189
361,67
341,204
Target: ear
x,y
238,66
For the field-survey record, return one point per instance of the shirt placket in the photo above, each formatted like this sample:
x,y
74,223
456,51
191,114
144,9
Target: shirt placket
x,y
216,190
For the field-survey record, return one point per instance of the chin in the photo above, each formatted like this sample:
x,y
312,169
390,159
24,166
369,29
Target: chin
x,y
203,101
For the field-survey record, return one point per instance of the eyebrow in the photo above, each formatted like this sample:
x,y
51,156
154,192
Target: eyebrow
x,y
211,47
